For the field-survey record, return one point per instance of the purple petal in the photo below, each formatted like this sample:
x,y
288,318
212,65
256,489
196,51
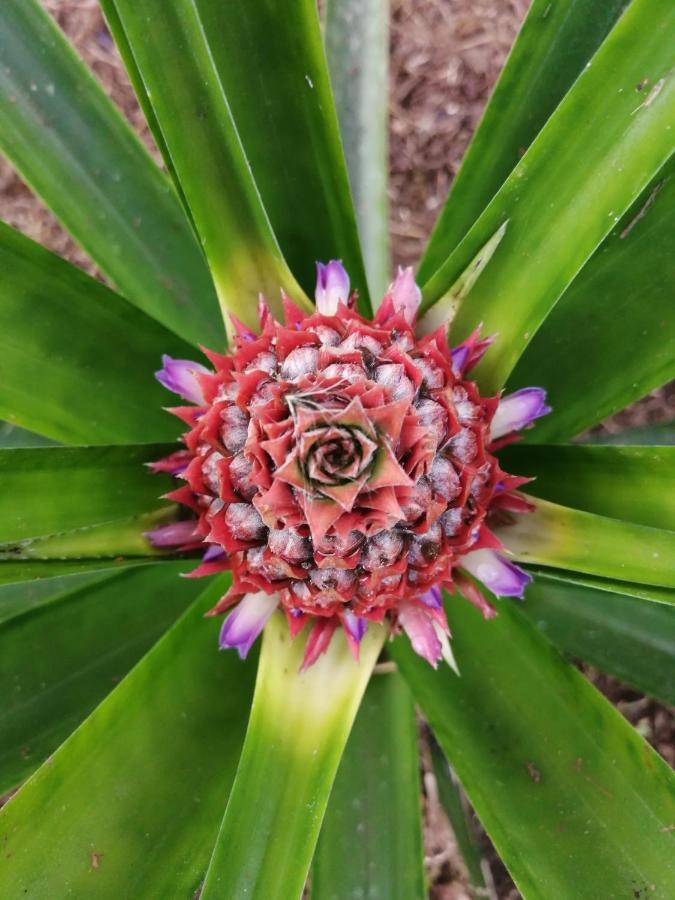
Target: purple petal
x,y
406,296
432,598
174,535
470,352
214,552
242,331
499,575
423,635
517,410
332,286
243,625
178,469
178,375
355,625
460,357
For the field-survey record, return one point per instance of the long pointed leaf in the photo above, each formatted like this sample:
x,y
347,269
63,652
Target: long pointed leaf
x,y
660,435
76,360
456,807
567,538
632,483
181,77
143,780
611,337
577,804
59,660
13,436
36,571
60,488
649,592
19,598
559,210
357,46
298,729
75,149
552,48
375,799
116,29
109,540
629,637
271,63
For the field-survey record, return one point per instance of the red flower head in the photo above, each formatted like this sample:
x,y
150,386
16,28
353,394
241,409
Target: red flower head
x,y
343,469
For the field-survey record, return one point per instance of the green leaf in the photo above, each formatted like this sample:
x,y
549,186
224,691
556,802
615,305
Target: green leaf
x,y
18,598
74,148
39,571
567,538
181,77
13,436
577,804
109,540
632,483
595,154
662,435
629,637
445,308
357,46
455,805
52,489
611,337
59,660
298,729
650,592
554,44
284,112
371,839
124,49
76,360
142,781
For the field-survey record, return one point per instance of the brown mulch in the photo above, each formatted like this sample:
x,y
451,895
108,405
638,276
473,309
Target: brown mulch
x,y
445,58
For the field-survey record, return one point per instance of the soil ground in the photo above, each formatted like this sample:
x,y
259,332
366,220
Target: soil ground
x,y
445,58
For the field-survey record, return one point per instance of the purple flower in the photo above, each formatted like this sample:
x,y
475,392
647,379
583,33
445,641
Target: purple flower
x,y
180,376
432,598
242,331
405,295
213,553
332,287
355,626
499,575
518,410
174,535
460,358
419,627
469,353
243,625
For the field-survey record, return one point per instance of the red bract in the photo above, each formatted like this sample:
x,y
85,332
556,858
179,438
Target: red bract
x,y
345,467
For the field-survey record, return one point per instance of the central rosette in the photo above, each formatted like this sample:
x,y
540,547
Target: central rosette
x,y
333,456
338,453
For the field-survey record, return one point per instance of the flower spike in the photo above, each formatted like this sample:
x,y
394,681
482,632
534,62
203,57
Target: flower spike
x,y
355,629
423,634
243,625
405,294
499,575
332,287
177,534
519,410
179,376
